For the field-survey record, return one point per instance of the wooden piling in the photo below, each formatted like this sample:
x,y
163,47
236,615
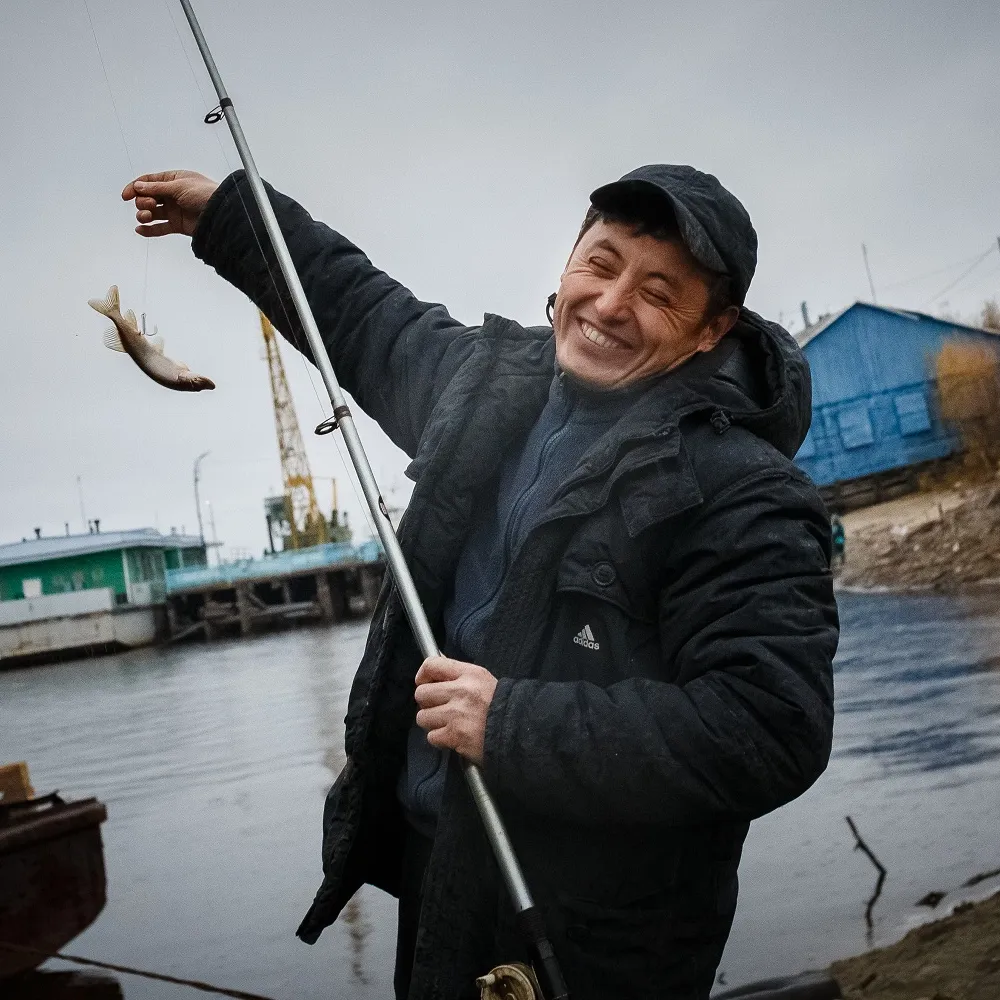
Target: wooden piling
x,y
273,600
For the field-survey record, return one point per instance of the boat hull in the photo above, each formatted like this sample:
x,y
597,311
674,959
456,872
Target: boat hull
x,y
24,640
52,878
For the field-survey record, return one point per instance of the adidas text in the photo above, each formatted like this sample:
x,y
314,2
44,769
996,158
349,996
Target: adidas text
x,y
586,638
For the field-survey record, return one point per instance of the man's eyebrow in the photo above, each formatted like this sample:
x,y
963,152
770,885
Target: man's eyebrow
x,y
665,278
606,244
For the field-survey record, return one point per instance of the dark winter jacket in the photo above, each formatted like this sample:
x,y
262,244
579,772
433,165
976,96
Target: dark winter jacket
x,y
686,539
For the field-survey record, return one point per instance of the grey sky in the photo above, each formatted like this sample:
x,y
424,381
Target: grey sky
x,y
456,144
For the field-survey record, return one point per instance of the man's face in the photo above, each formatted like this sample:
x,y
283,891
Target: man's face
x,y
631,306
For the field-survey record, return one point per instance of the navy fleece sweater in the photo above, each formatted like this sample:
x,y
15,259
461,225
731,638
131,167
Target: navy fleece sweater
x,y
573,419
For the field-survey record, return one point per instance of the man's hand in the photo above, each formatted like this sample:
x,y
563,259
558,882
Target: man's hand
x,y
169,202
454,698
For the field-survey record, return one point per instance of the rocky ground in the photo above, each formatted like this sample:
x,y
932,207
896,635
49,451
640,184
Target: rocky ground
x,y
956,958
943,540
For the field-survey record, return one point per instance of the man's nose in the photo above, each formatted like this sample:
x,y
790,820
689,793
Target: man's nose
x,y
614,301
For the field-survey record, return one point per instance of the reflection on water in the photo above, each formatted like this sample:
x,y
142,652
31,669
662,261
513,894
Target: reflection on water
x,y
359,929
214,760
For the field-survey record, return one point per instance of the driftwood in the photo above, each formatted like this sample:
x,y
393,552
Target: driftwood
x,y
860,845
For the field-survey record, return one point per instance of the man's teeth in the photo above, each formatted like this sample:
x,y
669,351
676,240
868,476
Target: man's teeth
x,y
596,337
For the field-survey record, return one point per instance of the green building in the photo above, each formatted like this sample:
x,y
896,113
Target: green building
x,y
130,563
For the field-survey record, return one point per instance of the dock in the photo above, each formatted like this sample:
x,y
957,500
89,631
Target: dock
x,y
324,583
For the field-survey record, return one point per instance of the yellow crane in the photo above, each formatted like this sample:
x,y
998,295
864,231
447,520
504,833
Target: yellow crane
x,y
295,513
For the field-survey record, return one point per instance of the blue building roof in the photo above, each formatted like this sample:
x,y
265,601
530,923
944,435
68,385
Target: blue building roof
x,y
874,391
59,546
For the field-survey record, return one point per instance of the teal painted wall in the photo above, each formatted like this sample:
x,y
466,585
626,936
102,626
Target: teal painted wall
x,y
60,576
97,569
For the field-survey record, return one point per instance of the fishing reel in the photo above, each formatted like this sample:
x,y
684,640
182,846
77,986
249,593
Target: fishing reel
x,y
509,982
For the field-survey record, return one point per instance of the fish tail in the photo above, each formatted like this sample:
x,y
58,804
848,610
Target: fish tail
x,y
107,306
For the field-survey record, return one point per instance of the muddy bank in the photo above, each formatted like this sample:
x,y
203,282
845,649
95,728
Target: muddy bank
x,y
947,542
956,958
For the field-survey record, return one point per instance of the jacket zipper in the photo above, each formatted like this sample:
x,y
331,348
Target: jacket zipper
x,y
514,520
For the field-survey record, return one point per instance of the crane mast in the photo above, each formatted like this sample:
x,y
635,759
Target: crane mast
x,y
296,512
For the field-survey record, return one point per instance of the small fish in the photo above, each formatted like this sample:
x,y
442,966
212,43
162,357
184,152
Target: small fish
x,y
146,352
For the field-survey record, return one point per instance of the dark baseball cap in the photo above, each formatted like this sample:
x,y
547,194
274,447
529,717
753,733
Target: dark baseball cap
x,y
714,225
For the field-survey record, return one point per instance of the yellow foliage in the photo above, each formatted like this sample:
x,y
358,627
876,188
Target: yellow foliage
x,y
967,382
968,385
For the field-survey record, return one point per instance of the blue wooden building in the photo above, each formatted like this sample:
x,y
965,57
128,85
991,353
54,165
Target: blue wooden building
x,y
874,402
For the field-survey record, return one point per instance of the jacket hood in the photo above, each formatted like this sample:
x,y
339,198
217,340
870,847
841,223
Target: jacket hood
x,y
757,377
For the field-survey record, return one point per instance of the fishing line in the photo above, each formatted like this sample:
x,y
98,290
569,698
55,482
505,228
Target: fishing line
x,y
290,326
121,132
107,80
132,971
246,211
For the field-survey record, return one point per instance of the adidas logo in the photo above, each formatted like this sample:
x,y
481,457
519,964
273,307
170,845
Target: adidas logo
x,y
586,638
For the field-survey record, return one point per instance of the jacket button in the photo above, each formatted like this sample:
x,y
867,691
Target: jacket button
x,y
603,574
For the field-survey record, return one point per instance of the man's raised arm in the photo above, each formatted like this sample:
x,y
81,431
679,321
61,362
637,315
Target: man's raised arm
x,y
392,352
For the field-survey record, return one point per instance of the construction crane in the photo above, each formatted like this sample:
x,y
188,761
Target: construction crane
x,y
295,513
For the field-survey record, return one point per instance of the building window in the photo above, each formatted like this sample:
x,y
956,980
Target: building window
x,y
855,425
911,410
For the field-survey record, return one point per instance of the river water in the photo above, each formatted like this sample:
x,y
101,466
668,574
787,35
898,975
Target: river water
x,y
213,762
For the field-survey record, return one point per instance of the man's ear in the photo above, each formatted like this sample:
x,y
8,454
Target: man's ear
x,y
718,327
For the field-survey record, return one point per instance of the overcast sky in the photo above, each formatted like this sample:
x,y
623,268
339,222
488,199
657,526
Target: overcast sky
x,y
457,144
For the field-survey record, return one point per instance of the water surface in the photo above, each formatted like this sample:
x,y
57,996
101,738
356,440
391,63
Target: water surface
x,y
213,762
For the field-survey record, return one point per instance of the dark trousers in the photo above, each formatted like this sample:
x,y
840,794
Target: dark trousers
x,y
416,853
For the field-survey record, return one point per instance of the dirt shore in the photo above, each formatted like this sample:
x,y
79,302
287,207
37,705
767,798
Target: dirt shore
x,y
955,958
944,540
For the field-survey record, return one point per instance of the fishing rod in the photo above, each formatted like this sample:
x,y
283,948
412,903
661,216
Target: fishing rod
x,y
553,987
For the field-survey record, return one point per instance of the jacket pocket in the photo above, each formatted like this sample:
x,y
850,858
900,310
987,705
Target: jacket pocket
x,y
643,950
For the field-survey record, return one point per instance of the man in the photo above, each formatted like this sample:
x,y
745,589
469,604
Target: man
x,y
838,537
629,575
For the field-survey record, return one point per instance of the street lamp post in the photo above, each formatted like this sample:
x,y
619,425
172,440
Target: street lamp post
x,y
197,499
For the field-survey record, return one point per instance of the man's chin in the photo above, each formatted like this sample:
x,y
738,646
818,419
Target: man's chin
x,y
593,374
583,368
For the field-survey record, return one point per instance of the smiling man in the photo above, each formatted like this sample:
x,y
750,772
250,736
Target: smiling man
x,y
628,573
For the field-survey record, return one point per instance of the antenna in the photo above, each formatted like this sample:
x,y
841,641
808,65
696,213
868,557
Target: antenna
x,y
83,510
868,270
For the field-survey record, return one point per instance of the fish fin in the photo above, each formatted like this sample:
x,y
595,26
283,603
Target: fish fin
x,y
156,343
113,340
108,305
131,320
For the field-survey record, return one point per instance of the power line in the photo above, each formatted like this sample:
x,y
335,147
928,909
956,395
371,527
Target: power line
x,y
962,276
931,274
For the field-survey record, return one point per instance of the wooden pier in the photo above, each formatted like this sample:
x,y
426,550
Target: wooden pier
x,y
276,592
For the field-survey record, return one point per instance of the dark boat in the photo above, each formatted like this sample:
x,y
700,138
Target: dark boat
x,y
62,986
52,880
